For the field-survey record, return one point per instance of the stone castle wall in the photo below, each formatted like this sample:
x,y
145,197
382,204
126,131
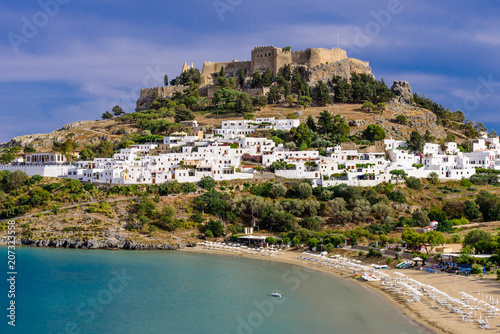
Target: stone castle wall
x,y
232,69
324,56
301,57
162,91
146,95
275,58
264,57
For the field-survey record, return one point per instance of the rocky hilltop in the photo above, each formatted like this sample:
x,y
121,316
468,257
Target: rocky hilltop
x,y
82,132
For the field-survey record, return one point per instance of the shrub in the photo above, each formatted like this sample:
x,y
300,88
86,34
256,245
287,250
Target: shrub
x,y
413,183
401,119
207,182
465,183
476,269
397,196
373,253
209,234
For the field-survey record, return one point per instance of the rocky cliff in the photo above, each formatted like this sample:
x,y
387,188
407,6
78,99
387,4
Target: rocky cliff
x,y
342,68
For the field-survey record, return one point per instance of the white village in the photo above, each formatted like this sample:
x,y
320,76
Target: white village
x,y
222,155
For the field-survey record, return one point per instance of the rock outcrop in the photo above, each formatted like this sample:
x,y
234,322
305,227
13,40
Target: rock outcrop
x,y
402,90
342,68
100,244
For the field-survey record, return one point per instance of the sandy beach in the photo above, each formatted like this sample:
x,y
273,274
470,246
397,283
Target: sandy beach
x,y
427,314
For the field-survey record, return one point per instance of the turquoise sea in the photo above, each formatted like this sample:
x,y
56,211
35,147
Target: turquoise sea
x,y
97,292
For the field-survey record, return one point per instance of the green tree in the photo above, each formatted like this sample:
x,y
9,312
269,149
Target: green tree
x,y
304,190
421,218
86,154
277,190
431,239
286,72
29,149
416,142
474,237
188,78
259,101
183,114
15,180
267,78
445,226
256,80
241,77
244,104
313,243
302,135
107,115
489,205
118,111
216,227
321,94
374,132
413,183
401,119
471,211
325,122
7,158
342,90
273,96
188,187
311,124
207,182
410,236
398,174
104,149
67,148
270,240
433,178
305,101
165,80
212,202
368,106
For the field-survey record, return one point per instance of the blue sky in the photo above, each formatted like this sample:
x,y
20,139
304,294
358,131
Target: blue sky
x,y
80,58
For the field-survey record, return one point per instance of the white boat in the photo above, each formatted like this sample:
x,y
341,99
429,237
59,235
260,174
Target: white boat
x,y
379,266
275,294
370,278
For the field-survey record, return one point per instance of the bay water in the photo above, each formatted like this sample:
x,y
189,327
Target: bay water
x,y
98,291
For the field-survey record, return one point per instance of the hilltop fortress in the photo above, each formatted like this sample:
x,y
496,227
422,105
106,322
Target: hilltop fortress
x,y
315,63
264,57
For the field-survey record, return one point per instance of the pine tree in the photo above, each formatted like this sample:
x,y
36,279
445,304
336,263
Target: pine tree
x,y
321,94
325,124
273,95
286,72
267,78
311,123
241,77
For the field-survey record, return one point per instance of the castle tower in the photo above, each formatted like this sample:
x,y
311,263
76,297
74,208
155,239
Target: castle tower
x,y
185,68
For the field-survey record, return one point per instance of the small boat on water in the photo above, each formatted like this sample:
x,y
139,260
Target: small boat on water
x,y
275,294
358,275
